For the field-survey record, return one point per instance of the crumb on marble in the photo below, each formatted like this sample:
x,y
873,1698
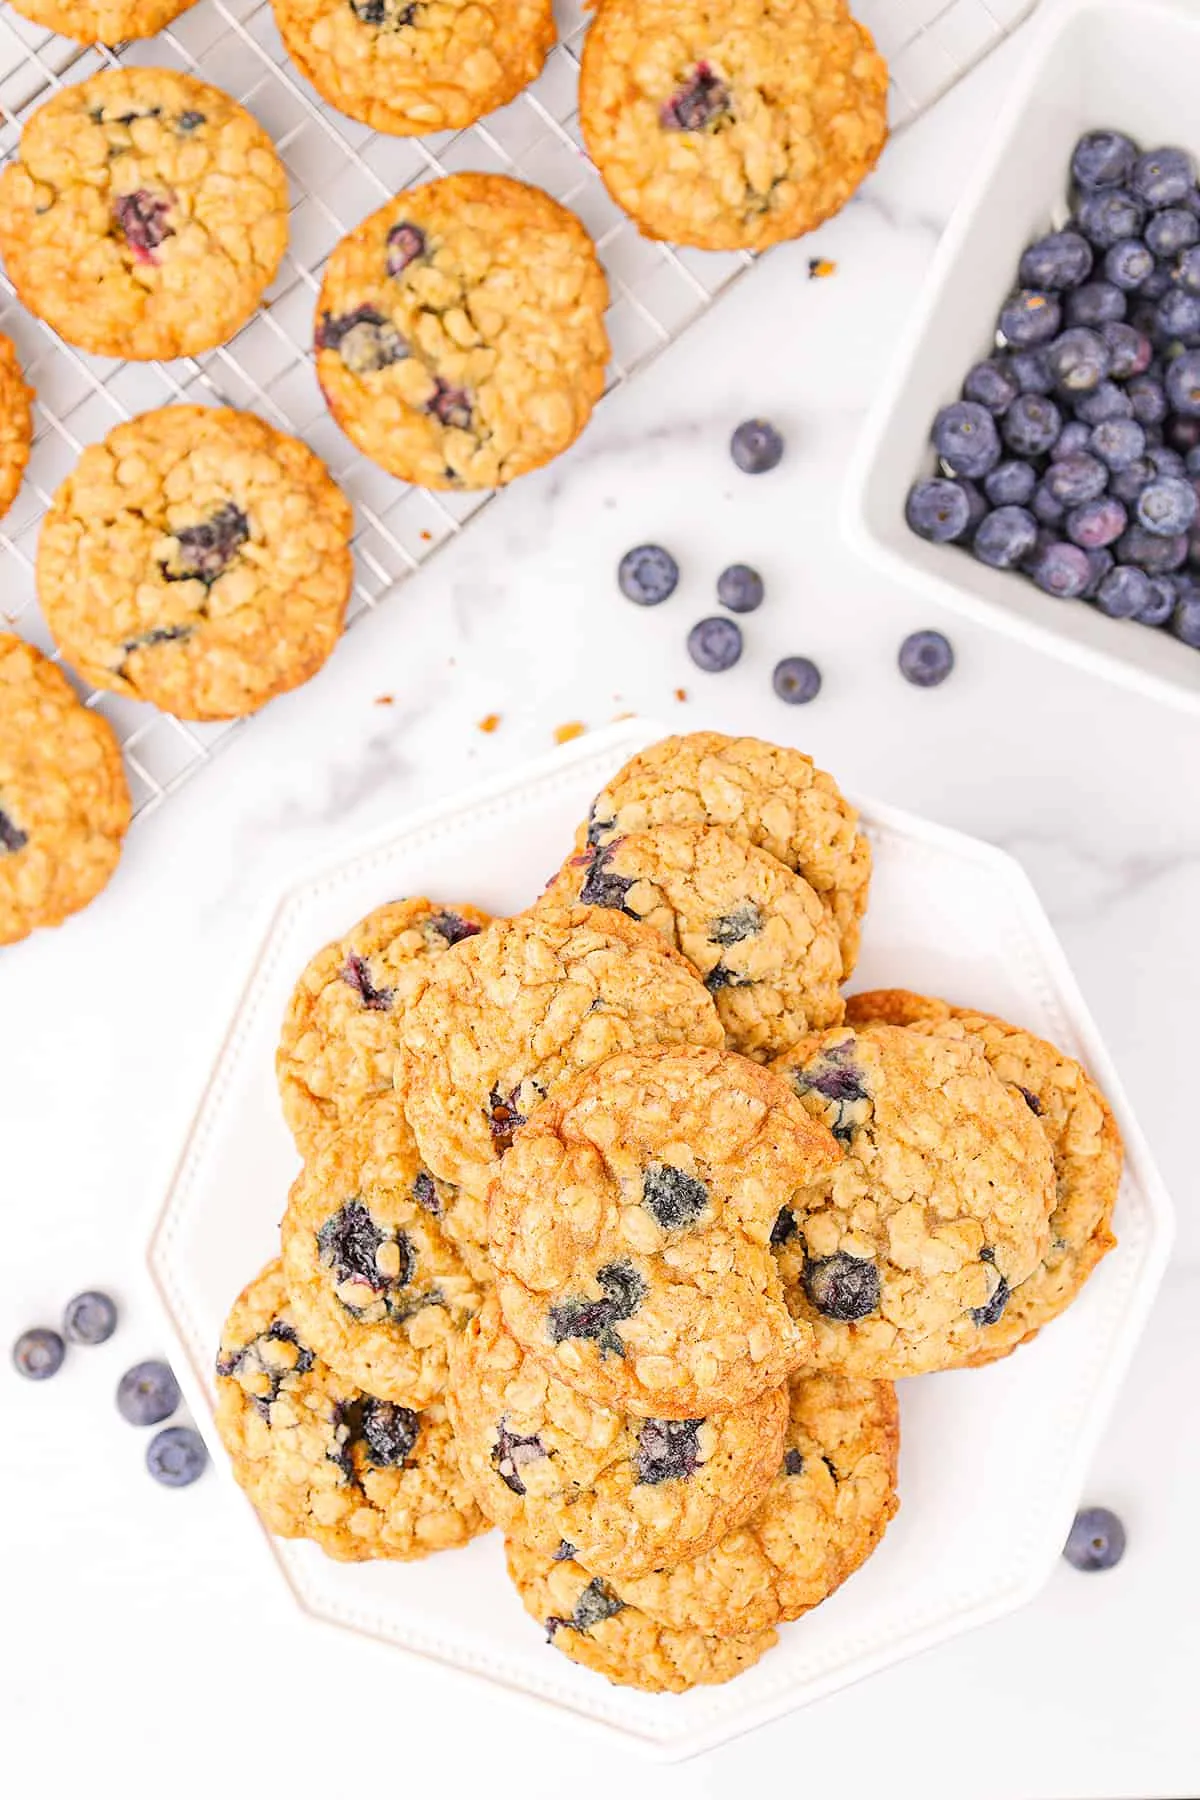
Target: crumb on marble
x,y
489,722
573,729
385,699
426,537
820,267
681,693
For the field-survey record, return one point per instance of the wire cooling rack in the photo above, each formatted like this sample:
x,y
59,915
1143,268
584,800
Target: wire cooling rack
x,y
340,171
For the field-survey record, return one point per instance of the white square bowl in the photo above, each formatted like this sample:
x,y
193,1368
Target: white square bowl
x,y
1130,64
992,1460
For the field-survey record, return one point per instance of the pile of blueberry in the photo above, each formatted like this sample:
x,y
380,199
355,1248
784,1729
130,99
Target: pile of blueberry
x,y
147,1394
1073,455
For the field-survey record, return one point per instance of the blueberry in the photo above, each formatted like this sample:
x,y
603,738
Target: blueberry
x,y
1163,177
796,680
1182,432
703,100
1147,550
714,644
1097,523
667,1450
176,1457
90,1318
405,243
364,339
842,1287
1006,537
1183,384
1187,271
1186,623
450,405
1156,284
622,1291
1128,483
1165,461
1062,570
1045,508
1159,603
38,1354
1127,264
1148,399
1096,1540
926,658
1173,230
1110,215
1094,303
1029,316
206,549
1031,425
1010,483
1118,442
1129,351
141,218
939,510
1102,159
1108,401
1074,479
991,384
1072,438
511,1453
1099,563
1191,462
147,1394
647,575
1079,360
1061,260
1030,371
965,437
1167,506
756,447
740,588
673,1198
1177,317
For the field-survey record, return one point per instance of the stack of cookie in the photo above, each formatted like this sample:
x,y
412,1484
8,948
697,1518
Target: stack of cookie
x,y
616,1224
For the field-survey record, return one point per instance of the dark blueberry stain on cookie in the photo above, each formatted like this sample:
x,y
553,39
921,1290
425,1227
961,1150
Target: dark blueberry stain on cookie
x,y
141,218
206,550
12,838
793,1463
389,1432
842,1287
784,1228
596,1603
598,827
602,887
668,1450
405,243
504,1117
349,1244
424,1192
511,1453
452,927
364,339
99,117
829,1465
701,102
384,15
719,977
1031,1100
836,1076
449,405
735,927
161,634
565,1552
990,1311
356,973
622,1291
256,1357
190,121
673,1199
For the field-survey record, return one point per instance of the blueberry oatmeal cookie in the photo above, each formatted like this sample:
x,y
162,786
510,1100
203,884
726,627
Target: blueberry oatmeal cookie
x,y
761,794
824,1513
64,800
102,21
731,126
621,1495
586,1618
144,215
762,940
339,1040
16,423
1084,1141
318,1458
459,335
415,66
631,1229
376,1286
198,559
506,1017
904,1254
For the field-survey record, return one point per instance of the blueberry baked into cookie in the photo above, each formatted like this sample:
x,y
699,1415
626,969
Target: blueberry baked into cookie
x,y
64,800
460,332
199,559
406,66
731,125
102,21
144,215
16,423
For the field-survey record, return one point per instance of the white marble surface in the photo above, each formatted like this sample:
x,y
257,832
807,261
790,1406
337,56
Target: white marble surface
x,y
142,1632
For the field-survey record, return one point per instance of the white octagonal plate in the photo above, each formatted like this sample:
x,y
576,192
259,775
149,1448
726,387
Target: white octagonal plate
x,y
991,1460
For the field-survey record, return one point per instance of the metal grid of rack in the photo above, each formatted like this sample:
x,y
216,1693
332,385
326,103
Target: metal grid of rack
x,y
339,171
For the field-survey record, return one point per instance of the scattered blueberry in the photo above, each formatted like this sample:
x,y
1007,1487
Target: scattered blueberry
x,y
1108,401
796,680
1183,384
1030,371
1103,159
1167,506
1096,1540
1072,438
1123,593
1163,177
1011,483
1165,461
1078,359
714,644
1118,442
176,1457
1128,483
1061,260
1110,215
647,575
1074,479
1045,508
90,1318
1171,231
1148,399
1030,316
1159,602
1187,271
926,658
938,510
1182,431
1099,563
1031,425
1186,623
1130,351
1178,317
1095,303
965,437
991,384
1097,523
38,1354
1062,570
756,447
740,588
1005,537
147,1394
1128,264
1147,550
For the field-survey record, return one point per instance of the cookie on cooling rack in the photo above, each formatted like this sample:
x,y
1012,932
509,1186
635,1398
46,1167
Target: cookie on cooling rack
x,y
16,423
199,559
408,68
460,332
102,21
144,214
